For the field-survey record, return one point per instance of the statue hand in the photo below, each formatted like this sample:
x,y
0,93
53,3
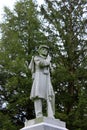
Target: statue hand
x,y
50,98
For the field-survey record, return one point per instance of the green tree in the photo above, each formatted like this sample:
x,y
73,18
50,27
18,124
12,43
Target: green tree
x,y
65,26
21,34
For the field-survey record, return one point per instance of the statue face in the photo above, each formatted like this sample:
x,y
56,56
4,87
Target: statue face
x,y
43,51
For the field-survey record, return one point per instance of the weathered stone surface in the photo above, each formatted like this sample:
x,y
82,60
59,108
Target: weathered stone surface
x,y
42,88
44,123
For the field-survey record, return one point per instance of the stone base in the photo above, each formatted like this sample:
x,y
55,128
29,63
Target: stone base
x,y
44,123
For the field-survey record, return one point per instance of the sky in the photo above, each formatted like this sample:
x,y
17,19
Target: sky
x,y
10,4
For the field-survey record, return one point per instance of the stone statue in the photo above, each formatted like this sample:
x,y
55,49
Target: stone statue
x,y
42,87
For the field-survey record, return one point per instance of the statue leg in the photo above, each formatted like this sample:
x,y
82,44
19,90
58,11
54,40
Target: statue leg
x,y
50,109
38,107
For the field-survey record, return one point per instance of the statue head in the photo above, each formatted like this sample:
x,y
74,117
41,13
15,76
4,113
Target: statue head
x,y
43,50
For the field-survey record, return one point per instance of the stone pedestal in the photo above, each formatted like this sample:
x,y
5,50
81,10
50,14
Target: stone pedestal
x,y
44,123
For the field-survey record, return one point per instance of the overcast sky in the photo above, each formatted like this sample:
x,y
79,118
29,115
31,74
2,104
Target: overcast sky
x,y
10,4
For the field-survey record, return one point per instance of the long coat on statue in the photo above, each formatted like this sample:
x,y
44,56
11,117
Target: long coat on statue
x,y
42,87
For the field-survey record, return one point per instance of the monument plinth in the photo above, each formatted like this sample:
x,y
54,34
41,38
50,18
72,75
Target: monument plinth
x,y
44,123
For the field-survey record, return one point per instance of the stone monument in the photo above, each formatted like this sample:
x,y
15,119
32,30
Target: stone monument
x,y
44,123
42,90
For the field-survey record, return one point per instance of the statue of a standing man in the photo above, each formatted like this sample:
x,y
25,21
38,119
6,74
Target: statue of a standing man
x,y
42,87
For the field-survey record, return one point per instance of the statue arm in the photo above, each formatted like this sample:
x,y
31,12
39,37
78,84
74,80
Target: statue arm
x,y
46,62
42,62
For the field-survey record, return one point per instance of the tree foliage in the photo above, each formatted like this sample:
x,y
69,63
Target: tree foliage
x,y
61,25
